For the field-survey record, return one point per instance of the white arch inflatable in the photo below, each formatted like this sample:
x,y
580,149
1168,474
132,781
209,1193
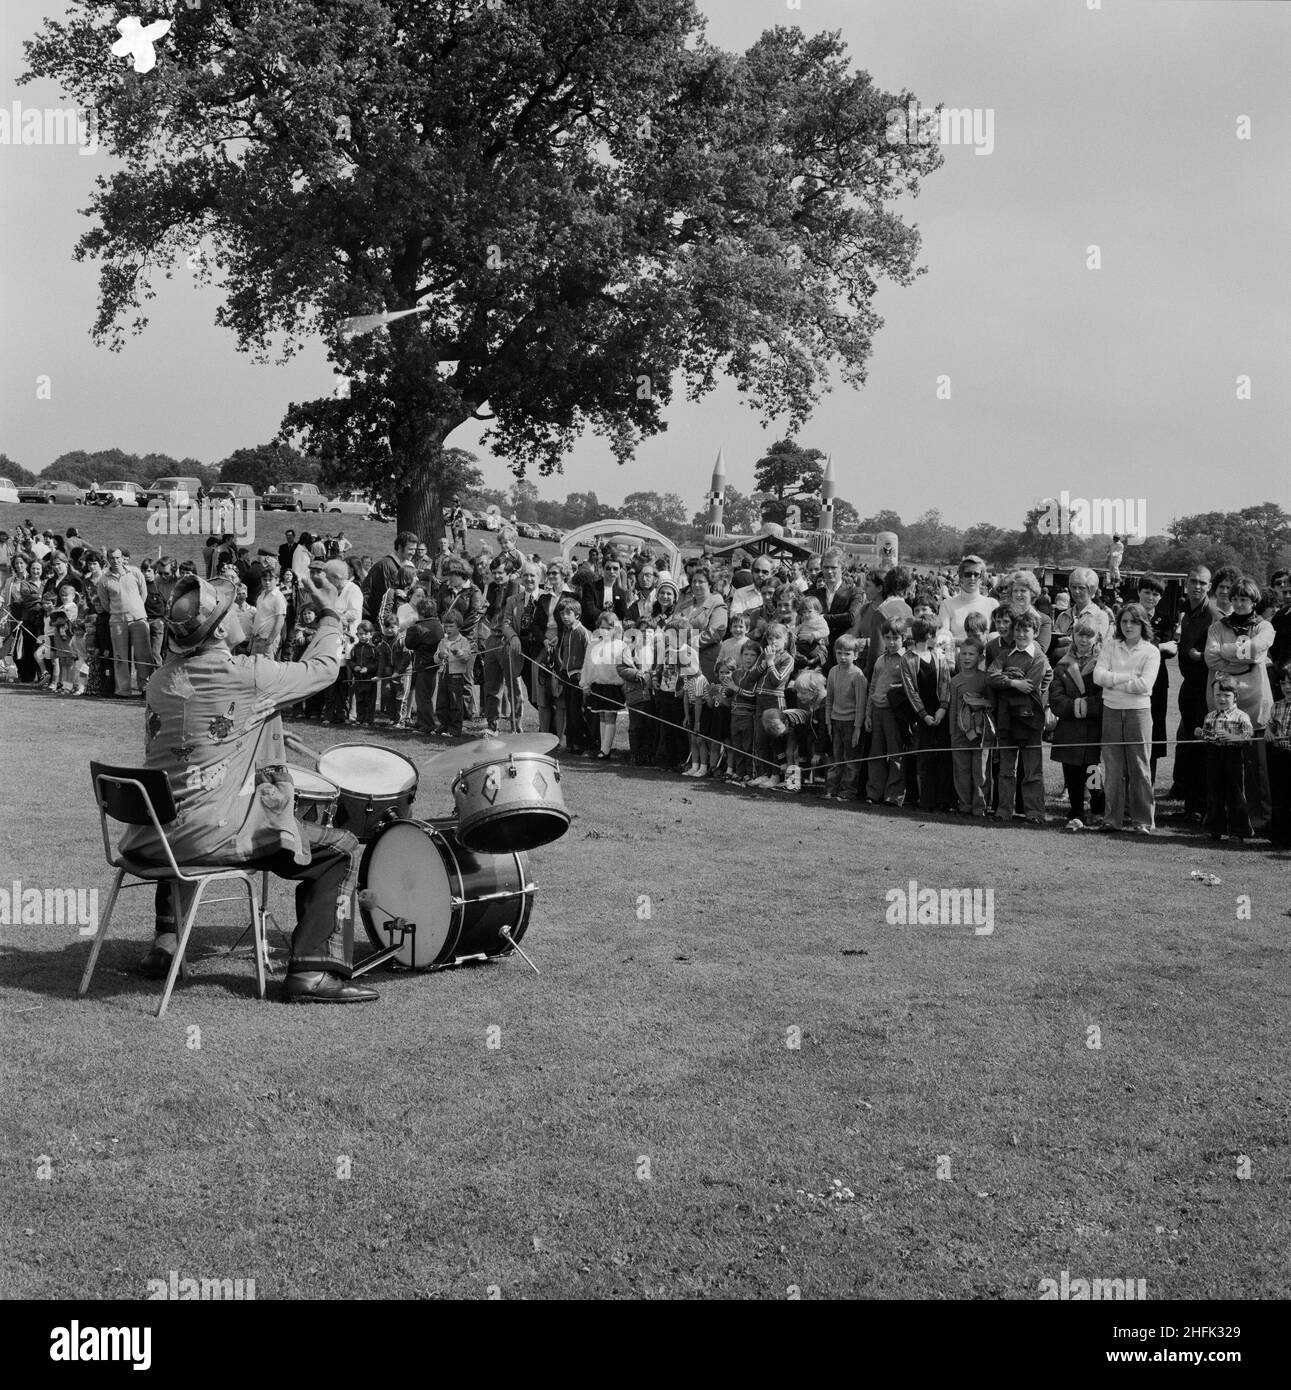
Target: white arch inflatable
x,y
614,527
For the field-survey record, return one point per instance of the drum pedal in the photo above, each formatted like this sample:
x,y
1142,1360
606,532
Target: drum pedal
x,y
396,927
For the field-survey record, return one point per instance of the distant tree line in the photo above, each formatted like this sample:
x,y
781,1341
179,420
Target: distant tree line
x,y
1256,539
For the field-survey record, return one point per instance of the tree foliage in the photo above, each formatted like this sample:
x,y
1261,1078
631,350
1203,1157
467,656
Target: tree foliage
x,y
588,200
267,465
787,471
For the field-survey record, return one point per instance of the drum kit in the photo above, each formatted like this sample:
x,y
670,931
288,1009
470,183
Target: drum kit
x,y
441,892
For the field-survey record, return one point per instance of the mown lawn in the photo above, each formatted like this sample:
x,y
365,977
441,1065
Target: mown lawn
x,y
643,1129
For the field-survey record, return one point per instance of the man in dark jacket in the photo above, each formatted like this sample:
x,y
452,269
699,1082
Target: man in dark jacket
x,y
839,602
1199,612
388,573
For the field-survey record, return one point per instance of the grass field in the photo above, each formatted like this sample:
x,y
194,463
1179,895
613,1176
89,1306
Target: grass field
x,y
127,526
643,1125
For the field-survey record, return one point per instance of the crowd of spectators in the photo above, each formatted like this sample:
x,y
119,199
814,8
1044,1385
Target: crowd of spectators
x,y
936,691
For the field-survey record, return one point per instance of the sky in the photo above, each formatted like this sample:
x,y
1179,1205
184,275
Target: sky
x,y
1115,126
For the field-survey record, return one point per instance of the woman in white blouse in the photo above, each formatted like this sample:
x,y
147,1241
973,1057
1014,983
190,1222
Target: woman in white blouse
x,y
1126,670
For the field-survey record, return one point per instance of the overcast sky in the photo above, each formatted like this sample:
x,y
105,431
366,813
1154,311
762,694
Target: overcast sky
x,y
1116,126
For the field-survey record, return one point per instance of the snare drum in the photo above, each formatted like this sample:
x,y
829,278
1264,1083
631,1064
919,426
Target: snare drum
x,y
374,785
510,803
315,796
420,871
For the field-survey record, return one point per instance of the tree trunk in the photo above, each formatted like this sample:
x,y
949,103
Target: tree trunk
x,y
420,501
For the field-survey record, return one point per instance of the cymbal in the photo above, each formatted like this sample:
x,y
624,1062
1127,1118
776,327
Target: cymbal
x,y
491,747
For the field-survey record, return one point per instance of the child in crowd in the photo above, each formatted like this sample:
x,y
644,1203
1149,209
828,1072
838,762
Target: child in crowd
x,y
364,666
693,685
600,680
1277,734
715,719
737,630
846,693
1078,703
811,639
925,677
1227,730
886,783
1001,635
61,630
422,640
803,727
1020,676
925,607
972,726
772,669
455,656
567,665
636,671
742,691
977,626
270,614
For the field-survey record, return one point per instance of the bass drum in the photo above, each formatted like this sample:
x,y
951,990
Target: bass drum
x,y
460,901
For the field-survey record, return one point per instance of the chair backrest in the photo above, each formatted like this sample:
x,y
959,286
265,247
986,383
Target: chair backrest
x,y
133,795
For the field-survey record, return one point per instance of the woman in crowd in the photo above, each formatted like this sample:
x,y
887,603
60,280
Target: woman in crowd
x,y
1126,670
1237,646
26,611
1022,589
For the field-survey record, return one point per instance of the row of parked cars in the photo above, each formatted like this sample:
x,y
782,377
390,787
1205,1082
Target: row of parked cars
x,y
494,521
183,492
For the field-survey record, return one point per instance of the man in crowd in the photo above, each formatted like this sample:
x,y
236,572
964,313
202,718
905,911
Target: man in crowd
x,y
499,664
1280,618
123,594
392,572
213,727
839,602
1199,612
286,550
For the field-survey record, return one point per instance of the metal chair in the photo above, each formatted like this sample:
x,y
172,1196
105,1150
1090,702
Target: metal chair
x,y
142,796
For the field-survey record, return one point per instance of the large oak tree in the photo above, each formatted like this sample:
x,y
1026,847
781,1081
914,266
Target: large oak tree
x,y
591,205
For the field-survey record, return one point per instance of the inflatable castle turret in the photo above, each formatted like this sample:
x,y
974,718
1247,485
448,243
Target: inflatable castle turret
x,y
716,499
826,525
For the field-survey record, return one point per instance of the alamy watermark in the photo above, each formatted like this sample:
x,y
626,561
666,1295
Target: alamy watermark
x,y
913,906
233,516
1066,515
49,907
50,125
1135,1290
921,125
176,1288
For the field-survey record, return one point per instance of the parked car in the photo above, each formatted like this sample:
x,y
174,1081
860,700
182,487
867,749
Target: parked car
x,y
175,492
8,492
352,504
117,494
238,492
294,497
51,492
528,530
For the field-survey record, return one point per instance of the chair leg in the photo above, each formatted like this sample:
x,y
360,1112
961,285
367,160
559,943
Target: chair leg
x,y
257,927
178,962
177,907
101,935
